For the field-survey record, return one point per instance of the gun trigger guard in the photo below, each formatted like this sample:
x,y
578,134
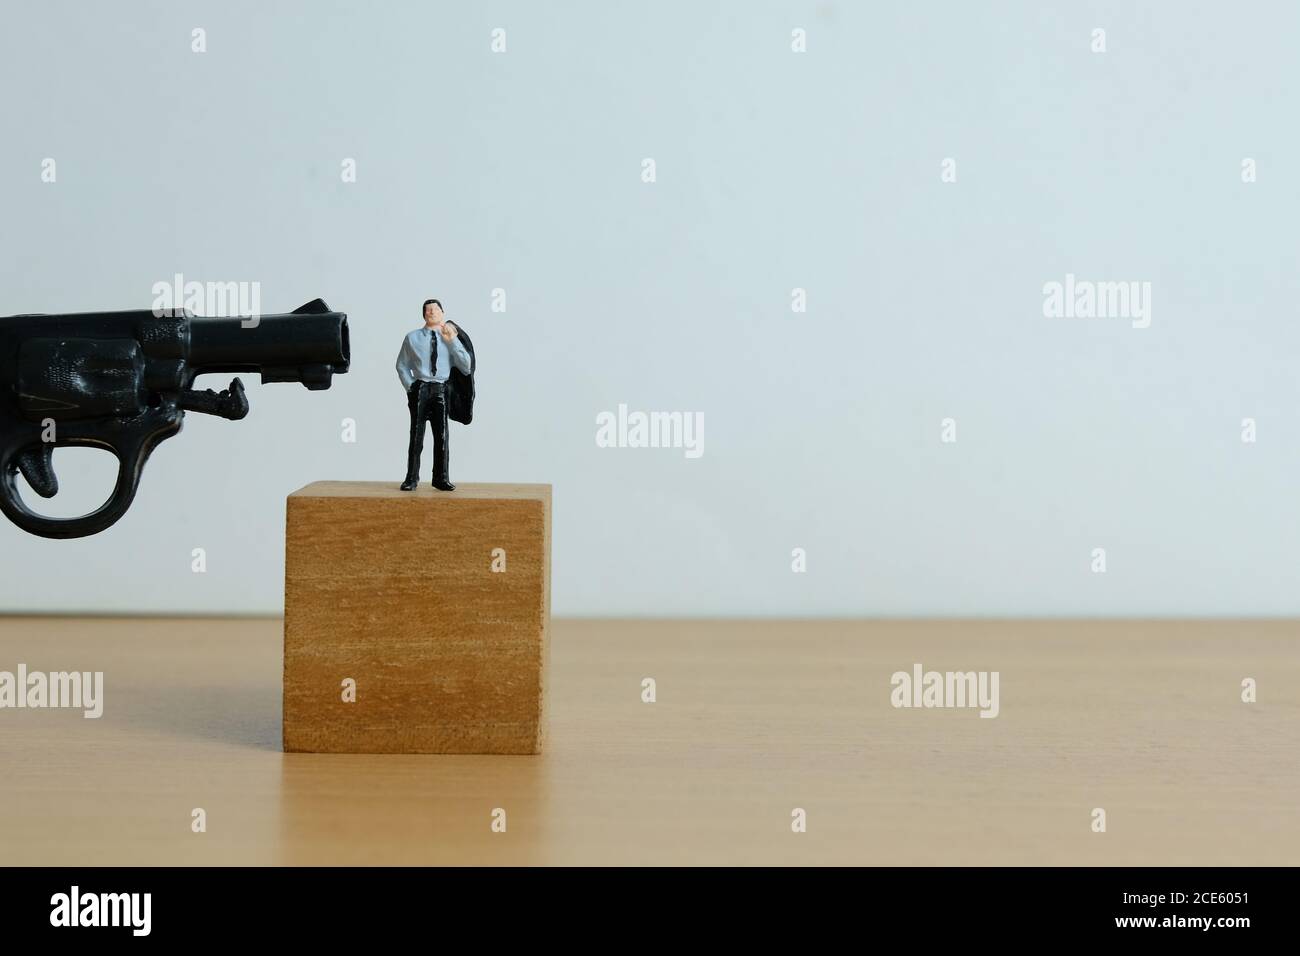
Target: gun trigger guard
x,y
132,449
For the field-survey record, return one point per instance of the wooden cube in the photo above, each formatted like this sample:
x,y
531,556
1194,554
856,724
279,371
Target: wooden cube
x,y
436,603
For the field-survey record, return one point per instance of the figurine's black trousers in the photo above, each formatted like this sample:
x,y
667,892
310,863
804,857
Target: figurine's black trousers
x,y
428,403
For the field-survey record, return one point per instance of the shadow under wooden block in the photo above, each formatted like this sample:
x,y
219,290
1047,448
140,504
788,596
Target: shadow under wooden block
x,y
396,590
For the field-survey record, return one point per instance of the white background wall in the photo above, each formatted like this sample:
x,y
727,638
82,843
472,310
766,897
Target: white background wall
x,y
775,170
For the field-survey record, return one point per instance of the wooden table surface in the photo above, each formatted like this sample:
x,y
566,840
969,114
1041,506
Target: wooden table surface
x,y
752,719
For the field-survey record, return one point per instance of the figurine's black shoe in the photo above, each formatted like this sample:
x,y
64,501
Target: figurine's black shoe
x,y
444,485
409,484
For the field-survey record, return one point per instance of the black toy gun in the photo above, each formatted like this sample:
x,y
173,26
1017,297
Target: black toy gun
x,y
122,381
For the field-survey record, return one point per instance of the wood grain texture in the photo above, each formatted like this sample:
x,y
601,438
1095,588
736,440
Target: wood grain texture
x,y
396,591
753,718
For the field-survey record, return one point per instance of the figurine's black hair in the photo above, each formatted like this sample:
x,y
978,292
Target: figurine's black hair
x,y
426,302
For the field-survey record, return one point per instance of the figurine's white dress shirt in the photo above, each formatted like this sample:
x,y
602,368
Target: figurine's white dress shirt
x,y
413,360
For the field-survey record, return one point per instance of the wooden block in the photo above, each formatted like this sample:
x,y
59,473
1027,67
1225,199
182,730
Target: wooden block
x,y
396,590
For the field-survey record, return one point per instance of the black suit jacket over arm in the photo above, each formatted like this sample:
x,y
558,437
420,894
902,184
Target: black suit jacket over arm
x,y
460,400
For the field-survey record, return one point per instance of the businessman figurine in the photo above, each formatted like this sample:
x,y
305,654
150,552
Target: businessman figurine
x,y
436,368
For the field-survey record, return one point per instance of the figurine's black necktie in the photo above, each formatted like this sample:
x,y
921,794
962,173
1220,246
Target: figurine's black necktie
x,y
433,353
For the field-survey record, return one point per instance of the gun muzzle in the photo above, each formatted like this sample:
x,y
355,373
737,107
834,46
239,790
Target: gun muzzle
x,y
308,345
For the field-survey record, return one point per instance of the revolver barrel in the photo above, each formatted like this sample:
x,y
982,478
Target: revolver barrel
x,y
309,345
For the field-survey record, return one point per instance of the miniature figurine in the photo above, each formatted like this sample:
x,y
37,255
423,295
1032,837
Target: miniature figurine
x,y
122,381
436,369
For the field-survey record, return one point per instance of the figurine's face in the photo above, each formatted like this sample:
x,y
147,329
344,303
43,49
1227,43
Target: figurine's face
x,y
432,314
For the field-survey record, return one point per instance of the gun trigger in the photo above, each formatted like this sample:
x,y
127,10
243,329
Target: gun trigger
x,y
37,466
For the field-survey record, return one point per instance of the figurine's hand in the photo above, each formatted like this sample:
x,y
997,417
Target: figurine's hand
x,y
448,332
